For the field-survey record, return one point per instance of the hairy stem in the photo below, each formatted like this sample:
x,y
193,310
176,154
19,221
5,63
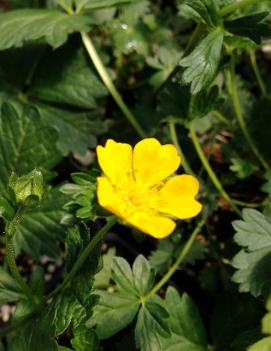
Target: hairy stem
x,y
84,255
179,260
209,169
174,138
239,115
257,73
98,64
10,255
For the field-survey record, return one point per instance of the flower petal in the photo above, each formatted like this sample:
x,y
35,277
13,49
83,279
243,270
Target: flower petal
x,y
157,226
115,159
177,197
153,162
108,197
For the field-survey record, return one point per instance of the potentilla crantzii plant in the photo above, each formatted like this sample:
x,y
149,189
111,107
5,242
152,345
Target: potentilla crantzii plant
x,y
127,117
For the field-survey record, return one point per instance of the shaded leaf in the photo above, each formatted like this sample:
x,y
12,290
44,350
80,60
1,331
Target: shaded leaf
x,y
20,26
206,10
10,291
84,339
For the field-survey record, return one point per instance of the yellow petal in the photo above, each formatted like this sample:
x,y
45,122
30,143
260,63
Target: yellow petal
x,y
109,198
157,226
153,162
115,160
177,197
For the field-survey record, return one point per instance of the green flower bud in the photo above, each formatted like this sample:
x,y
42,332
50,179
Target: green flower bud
x,y
28,189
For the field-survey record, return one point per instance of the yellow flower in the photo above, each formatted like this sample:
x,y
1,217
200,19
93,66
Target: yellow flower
x,y
136,188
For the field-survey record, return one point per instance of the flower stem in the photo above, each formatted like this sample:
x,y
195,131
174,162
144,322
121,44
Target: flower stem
x,y
10,255
179,260
174,138
218,115
84,255
209,169
257,73
97,62
238,5
239,115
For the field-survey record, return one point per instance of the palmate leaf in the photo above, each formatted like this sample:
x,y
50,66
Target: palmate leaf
x,y
25,143
254,261
21,26
202,64
186,327
117,310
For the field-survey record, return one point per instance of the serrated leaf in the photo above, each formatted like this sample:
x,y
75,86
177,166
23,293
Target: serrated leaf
x,y
21,26
10,291
40,230
202,64
187,330
77,131
65,76
25,144
151,325
33,335
253,262
85,339
206,10
249,26
113,312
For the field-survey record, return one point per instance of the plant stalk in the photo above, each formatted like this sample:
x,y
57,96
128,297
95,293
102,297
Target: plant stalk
x,y
257,73
209,169
10,255
84,255
179,260
239,115
97,62
174,138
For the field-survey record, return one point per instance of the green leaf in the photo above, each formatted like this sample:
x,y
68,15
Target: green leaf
x,y
77,131
151,325
40,230
6,210
262,345
206,9
254,261
143,275
123,275
113,312
25,144
85,339
20,26
83,195
99,4
62,311
266,187
36,334
202,64
102,278
187,330
9,289
249,26
65,76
